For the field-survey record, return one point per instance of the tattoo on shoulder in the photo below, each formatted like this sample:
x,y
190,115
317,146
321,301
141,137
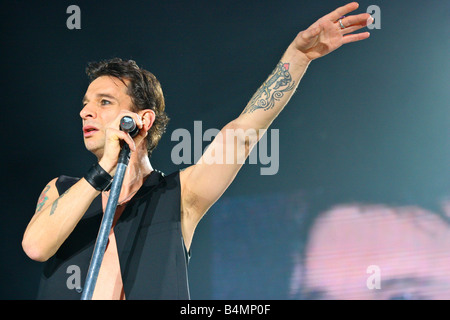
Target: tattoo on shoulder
x,y
55,203
42,199
272,90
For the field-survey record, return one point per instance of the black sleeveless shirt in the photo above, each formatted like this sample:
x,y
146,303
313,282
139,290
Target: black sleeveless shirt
x,y
152,255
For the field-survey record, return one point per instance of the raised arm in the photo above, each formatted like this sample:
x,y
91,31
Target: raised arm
x,y
203,183
321,38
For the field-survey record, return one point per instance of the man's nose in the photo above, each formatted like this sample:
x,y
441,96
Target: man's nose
x,y
87,112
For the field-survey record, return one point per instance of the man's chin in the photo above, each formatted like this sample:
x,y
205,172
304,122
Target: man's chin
x,y
96,150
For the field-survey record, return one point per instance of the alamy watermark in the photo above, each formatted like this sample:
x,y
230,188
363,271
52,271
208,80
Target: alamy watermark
x,y
230,146
74,20
374,280
74,280
375,13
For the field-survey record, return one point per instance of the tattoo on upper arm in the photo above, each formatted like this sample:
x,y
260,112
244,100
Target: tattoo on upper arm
x,y
55,203
272,90
42,199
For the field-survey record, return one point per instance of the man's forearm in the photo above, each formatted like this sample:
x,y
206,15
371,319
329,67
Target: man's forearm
x,y
273,95
50,226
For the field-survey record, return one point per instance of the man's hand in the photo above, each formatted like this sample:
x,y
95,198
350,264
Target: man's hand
x,y
113,139
326,34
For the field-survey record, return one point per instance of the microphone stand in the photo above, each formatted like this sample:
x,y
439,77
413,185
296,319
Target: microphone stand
x,y
105,227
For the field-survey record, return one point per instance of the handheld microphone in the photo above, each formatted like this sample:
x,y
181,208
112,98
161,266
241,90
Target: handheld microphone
x,y
128,124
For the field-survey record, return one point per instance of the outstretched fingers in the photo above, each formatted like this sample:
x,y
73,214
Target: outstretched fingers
x,y
342,11
353,23
355,37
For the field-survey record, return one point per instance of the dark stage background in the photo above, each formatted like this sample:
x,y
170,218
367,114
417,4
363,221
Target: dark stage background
x,y
369,122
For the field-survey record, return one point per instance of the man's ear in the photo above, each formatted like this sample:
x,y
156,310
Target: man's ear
x,y
148,118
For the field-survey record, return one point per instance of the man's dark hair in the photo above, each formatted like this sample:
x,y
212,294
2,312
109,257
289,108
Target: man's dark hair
x,y
144,89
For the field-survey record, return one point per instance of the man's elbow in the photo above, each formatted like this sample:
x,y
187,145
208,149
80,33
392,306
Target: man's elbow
x,y
33,251
245,134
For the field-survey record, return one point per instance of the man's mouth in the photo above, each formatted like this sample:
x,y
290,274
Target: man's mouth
x,y
89,131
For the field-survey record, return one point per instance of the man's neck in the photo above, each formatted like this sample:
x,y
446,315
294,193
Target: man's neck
x,y
139,168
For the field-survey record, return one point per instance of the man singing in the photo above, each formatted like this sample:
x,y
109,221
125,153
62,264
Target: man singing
x,y
148,247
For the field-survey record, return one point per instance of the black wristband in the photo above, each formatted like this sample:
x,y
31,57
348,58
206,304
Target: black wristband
x,y
98,178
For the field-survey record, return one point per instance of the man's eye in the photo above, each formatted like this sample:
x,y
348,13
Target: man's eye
x,y
103,102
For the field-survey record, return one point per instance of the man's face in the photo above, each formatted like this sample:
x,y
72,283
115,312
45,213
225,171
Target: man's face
x,y
105,97
405,249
